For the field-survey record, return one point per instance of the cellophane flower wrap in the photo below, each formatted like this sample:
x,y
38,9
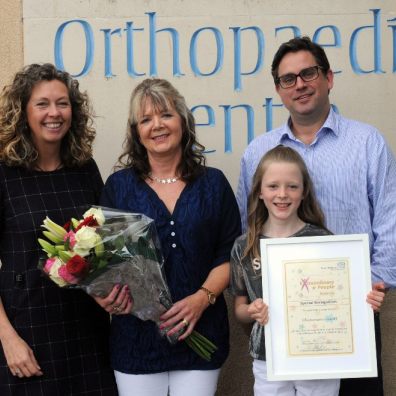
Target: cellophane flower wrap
x,y
108,247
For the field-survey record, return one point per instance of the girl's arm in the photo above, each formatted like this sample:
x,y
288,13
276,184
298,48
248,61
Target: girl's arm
x,y
255,311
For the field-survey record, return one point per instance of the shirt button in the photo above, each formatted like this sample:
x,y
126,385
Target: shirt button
x,y
173,234
173,245
172,222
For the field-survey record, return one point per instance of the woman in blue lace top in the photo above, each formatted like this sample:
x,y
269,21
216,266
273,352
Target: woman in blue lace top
x,y
164,176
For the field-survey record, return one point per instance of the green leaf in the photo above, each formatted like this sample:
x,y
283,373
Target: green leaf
x,y
119,243
52,237
192,343
47,247
64,256
54,228
74,223
209,344
99,249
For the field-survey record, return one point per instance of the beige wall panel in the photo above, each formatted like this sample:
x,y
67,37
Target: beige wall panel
x,y
11,45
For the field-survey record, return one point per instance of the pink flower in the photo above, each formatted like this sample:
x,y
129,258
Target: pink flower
x,y
66,275
71,238
52,266
48,264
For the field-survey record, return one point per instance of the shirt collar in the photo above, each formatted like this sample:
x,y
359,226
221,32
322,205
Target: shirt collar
x,y
330,125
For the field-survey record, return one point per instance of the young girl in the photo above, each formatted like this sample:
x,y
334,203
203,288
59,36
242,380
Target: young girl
x,y
281,204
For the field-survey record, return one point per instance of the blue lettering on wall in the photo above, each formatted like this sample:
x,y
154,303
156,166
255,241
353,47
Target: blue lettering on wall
x,y
89,46
268,105
153,46
393,27
209,112
130,50
227,124
328,35
377,45
336,42
107,45
336,34
211,119
237,54
219,47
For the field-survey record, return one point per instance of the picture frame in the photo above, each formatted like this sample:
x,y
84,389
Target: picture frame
x,y
320,325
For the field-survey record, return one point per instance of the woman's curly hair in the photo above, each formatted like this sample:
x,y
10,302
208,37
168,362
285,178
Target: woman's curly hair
x,y
162,95
16,144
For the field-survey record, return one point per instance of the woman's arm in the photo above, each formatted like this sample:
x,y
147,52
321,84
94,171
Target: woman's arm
x,y
190,308
20,357
216,282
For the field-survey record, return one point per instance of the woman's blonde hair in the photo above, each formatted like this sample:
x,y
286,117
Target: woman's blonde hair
x,y
163,96
309,210
16,144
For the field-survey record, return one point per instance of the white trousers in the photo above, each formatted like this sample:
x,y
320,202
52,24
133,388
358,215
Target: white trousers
x,y
263,387
177,383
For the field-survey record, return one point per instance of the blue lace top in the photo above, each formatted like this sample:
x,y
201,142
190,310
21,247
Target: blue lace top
x,y
195,238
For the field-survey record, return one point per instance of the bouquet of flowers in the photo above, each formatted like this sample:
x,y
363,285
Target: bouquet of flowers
x,y
108,247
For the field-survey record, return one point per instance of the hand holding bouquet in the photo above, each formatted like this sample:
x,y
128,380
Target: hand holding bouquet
x,y
109,247
105,248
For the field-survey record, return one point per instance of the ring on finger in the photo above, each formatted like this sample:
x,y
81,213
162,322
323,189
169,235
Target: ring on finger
x,y
185,322
116,308
17,371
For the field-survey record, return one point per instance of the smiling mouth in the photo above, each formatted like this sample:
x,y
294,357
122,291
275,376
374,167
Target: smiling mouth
x,y
282,205
53,125
303,97
159,138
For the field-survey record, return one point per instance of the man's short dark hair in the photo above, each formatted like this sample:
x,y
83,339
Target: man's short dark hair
x,y
300,44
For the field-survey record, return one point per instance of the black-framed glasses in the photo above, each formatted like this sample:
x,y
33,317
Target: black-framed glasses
x,y
289,80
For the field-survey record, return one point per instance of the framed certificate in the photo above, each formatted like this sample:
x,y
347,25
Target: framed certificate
x,y
320,325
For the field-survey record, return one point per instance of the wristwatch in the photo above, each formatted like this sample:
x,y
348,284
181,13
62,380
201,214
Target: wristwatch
x,y
211,295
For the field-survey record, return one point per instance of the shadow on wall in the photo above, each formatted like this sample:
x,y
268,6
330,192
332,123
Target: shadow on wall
x,y
236,377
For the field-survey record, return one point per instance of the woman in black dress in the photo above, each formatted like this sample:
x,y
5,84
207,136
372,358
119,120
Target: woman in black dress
x,y
54,341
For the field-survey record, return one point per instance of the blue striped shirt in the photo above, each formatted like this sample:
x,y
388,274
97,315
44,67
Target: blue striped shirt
x,y
354,175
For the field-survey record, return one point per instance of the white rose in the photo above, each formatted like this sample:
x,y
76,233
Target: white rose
x,y
54,273
86,239
97,213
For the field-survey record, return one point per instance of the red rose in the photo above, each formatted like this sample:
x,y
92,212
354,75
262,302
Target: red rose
x,y
77,266
89,221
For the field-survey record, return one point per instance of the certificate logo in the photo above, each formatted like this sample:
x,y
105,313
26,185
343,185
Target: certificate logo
x,y
304,282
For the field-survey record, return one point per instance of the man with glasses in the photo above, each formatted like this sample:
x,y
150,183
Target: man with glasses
x,y
352,167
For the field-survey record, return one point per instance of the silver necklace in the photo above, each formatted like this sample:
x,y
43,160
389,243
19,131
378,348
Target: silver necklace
x,y
166,180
